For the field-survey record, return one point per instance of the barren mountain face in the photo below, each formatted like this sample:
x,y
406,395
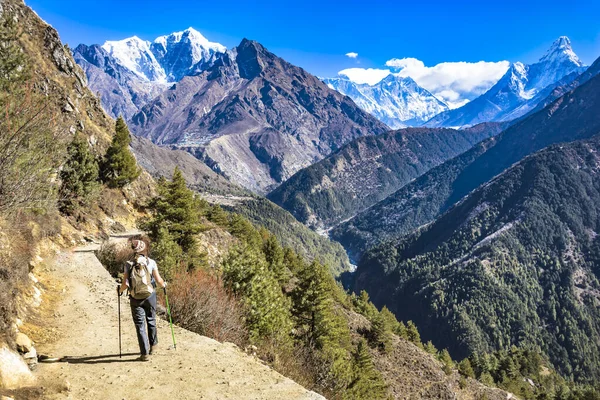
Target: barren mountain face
x,y
254,117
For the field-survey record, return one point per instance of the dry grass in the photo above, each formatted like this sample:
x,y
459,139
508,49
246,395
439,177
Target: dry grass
x,y
16,250
200,303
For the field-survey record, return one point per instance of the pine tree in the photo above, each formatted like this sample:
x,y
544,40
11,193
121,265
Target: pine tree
x,y
275,258
315,313
401,330
218,216
119,167
178,210
465,368
79,177
367,382
381,333
430,348
413,333
166,252
246,274
447,362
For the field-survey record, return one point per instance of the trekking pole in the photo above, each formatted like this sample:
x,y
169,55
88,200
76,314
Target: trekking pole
x,y
170,319
119,307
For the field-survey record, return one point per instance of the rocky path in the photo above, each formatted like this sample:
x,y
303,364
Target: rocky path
x,y
86,319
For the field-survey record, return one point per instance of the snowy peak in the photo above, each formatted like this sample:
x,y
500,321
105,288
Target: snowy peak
x,y
180,52
397,101
134,54
561,50
168,58
520,90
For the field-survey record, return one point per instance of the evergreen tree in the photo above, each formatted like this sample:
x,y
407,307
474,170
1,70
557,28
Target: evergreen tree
x,y
292,261
401,330
243,229
320,323
178,210
119,167
367,382
275,258
79,177
465,368
218,216
430,348
447,362
246,274
364,305
381,333
167,252
413,333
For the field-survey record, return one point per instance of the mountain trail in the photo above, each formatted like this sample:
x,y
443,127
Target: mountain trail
x,y
86,322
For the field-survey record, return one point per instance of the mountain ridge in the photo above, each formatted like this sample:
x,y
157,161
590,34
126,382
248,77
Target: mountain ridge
x,y
397,101
254,117
368,169
421,201
517,91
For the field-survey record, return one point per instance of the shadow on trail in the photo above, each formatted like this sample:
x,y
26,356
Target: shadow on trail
x,y
104,359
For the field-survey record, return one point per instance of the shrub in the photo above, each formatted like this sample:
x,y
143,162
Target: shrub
x,y
200,303
113,257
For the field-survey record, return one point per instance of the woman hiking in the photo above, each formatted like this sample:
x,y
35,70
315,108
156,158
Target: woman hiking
x,y
139,278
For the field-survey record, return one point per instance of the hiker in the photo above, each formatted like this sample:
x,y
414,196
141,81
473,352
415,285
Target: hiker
x,y
140,278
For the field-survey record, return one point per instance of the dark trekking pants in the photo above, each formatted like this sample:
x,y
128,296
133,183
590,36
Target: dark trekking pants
x,y
144,312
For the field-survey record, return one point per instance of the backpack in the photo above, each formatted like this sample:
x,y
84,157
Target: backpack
x,y
140,280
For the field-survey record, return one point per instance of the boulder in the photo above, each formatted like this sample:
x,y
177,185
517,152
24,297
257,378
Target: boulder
x,y
14,372
24,344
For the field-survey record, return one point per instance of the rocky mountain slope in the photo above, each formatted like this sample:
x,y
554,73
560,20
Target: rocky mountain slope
x,y
254,118
519,91
129,73
513,263
369,169
397,101
433,193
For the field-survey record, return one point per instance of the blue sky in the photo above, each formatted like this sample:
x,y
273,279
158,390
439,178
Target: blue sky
x,y
317,34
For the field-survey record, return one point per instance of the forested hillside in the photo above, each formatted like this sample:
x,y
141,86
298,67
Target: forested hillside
x,y
571,117
514,263
368,169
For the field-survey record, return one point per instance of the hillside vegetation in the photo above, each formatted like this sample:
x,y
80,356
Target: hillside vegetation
x,y
368,169
571,117
514,263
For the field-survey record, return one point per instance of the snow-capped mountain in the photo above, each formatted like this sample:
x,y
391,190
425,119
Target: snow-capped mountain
x,y
129,73
396,101
519,91
185,53
135,55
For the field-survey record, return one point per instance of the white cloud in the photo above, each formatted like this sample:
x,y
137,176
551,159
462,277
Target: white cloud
x,y
454,82
365,75
352,54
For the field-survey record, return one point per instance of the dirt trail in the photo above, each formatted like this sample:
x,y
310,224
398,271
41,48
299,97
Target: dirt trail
x,y
87,322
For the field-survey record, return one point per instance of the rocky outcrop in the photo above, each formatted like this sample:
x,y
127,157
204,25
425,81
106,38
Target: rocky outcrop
x,y
120,90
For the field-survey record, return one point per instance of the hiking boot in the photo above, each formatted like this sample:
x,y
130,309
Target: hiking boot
x,y
144,357
152,349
